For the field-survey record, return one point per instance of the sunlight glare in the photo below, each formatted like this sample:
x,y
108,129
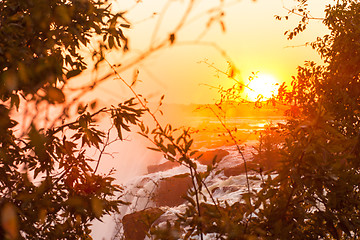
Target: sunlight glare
x,y
264,85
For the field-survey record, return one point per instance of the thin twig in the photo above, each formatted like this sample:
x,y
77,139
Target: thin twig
x,y
236,144
104,147
197,200
160,20
104,109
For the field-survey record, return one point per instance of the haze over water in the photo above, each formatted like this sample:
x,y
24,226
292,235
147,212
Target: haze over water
x,y
208,134
244,120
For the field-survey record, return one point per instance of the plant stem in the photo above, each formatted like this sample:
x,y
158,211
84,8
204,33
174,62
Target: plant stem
x,y
236,144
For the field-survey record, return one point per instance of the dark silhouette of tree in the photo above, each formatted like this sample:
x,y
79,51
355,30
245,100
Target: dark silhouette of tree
x,y
48,187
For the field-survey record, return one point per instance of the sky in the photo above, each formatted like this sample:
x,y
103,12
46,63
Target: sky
x,y
253,40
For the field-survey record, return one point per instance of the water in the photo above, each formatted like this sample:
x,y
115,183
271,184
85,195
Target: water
x,y
133,156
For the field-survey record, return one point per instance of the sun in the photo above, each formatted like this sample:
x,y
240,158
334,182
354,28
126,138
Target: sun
x,y
263,86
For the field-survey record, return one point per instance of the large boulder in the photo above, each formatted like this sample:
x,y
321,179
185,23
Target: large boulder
x,y
239,169
137,224
171,190
234,171
162,167
206,158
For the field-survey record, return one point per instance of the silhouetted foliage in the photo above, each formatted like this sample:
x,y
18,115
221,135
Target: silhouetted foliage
x,y
41,41
317,183
48,189
314,193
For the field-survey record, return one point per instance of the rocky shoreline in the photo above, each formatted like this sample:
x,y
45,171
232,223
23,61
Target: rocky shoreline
x,y
158,196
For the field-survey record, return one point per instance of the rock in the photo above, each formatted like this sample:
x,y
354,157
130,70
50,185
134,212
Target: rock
x,y
170,190
207,157
162,167
137,224
234,171
239,169
230,189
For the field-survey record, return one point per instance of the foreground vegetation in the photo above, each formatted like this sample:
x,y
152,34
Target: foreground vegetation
x,y
310,180
50,191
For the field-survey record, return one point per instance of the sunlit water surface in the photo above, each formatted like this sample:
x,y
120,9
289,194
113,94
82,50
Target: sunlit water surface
x,y
131,158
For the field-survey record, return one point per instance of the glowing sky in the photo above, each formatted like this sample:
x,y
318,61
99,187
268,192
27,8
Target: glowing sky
x,y
253,40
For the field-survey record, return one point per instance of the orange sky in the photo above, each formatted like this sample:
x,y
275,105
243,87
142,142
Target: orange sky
x,y
254,41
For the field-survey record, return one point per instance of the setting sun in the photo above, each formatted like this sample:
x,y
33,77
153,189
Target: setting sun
x,y
262,85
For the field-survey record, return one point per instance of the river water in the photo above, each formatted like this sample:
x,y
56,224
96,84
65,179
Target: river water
x,y
131,157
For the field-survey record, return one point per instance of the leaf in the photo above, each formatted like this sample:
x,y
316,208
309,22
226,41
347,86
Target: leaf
x,y
55,95
119,132
154,149
81,109
171,149
246,197
111,42
125,25
194,152
188,145
73,73
93,105
62,13
97,206
135,78
172,38
15,101
42,215
9,221
36,172
190,200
